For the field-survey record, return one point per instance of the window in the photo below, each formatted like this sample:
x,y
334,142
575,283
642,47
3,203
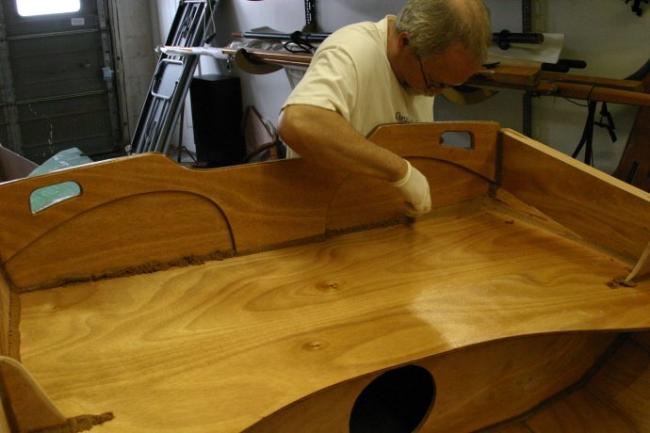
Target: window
x,y
28,8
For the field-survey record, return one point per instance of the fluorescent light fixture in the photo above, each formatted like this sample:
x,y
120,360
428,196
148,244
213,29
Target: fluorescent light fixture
x,y
29,8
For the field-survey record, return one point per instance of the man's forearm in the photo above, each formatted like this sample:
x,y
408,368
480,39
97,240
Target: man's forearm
x,y
325,137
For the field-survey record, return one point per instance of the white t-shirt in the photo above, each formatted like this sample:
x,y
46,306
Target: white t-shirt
x,y
350,74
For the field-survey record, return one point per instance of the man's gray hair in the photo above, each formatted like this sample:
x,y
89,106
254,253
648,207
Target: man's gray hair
x,y
434,25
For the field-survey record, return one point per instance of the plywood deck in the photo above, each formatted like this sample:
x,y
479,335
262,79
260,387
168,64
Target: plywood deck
x,y
213,347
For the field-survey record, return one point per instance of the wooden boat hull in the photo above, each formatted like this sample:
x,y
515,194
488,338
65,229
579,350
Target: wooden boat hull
x,y
271,297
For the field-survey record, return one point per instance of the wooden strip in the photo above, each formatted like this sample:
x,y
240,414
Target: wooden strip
x,y
600,208
513,73
642,267
624,384
632,85
594,93
580,412
5,316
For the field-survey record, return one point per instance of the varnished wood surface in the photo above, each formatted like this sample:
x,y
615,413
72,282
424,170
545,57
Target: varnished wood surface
x,y
642,267
475,386
216,347
580,412
643,339
624,384
599,207
519,427
5,316
31,409
141,211
480,159
616,399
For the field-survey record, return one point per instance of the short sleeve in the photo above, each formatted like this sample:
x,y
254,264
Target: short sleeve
x,y
330,82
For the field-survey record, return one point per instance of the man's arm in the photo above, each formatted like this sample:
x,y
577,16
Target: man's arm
x,y
326,138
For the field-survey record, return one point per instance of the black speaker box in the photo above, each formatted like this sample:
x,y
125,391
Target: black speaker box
x,y
217,118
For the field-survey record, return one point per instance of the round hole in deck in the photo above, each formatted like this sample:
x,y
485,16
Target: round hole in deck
x,y
397,401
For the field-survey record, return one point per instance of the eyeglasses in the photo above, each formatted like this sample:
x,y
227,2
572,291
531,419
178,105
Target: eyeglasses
x,y
431,85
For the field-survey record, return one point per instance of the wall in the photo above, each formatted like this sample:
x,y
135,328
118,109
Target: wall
x,y
605,33
615,43
133,45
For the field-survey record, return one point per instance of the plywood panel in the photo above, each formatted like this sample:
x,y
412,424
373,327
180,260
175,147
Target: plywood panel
x,y
624,383
5,314
254,200
421,140
134,234
600,208
643,338
242,338
580,412
518,427
476,386
450,184
172,213
499,381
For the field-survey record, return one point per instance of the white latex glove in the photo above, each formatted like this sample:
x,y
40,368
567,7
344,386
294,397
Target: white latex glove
x,y
415,189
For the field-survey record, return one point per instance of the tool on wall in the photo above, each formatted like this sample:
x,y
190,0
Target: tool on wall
x,y
172,76
310,16
636,6
505,38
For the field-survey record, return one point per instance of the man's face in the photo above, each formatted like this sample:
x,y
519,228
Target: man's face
x,y
432,74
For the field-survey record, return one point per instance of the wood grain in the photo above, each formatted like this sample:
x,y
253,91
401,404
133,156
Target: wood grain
x,y
4,421
140,226
518,427
476,386
580,412
599,207
634,166
167,213
624,383
480,386
5,316
243,338
450,185
30,408
643,338
420,140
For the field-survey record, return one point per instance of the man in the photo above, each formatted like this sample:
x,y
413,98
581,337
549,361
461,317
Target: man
x,y
367,74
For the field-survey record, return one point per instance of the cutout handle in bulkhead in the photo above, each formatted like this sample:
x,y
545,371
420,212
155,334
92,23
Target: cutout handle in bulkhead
x,y
457,139
47,196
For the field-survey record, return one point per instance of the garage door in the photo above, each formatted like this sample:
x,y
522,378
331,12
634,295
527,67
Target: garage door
x,y
56,78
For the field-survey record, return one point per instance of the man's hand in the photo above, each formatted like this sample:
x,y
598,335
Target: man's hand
x,y
415,189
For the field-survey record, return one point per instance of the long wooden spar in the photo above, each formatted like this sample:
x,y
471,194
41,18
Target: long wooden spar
x,y
509,76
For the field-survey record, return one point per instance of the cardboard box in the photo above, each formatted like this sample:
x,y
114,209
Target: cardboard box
x,y
14,166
